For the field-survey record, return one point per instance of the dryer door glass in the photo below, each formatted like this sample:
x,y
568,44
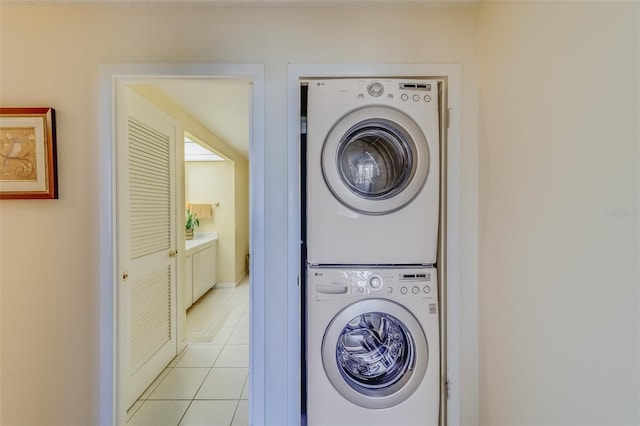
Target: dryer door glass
x,y
375,160
374,351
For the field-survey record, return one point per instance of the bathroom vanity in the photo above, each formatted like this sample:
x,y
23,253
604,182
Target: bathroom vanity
x,y
200,262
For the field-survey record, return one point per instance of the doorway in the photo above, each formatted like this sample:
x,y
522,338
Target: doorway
x,y
253,76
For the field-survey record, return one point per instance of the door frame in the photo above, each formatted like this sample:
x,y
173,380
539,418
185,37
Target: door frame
x,y
110,75
450,248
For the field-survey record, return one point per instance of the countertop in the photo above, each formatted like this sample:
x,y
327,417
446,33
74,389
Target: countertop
x,y
199,239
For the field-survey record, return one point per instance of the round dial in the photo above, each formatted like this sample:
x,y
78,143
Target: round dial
x,y
375,282
375,89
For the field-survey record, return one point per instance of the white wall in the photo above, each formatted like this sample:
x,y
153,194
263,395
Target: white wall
x,y
50,55
559,278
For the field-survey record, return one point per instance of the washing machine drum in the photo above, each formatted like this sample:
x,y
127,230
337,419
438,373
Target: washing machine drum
x,y
375,160
375,353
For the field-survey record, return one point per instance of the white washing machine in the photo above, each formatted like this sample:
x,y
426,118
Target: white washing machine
x,y
372,347
372,171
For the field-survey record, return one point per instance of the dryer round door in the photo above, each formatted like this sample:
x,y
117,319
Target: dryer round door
x,y
375,353
375,160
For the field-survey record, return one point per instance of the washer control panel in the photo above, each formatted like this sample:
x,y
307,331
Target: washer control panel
x,y
335,283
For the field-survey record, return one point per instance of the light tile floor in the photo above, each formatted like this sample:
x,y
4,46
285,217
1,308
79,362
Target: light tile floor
x,y
207,384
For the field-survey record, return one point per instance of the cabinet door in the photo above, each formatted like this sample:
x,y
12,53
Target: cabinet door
x,y
204,271
188,282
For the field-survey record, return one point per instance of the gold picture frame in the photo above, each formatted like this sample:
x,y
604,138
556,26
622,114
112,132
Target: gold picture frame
x,y
28,153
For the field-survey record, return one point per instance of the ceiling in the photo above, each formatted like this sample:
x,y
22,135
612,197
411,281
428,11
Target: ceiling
x,y
264,3
221,105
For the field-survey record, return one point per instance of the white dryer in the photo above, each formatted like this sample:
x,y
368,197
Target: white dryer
x,y
372,171
372,347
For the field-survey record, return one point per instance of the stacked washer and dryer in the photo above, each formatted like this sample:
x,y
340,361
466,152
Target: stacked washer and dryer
x,y
372,206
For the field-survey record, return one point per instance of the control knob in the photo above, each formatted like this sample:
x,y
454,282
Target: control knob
x,y
375,282
375,89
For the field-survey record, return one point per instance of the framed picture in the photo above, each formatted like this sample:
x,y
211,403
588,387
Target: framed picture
x,y
28,153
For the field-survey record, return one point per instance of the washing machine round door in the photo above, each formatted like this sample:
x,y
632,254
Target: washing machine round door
x,y
375,353
375,160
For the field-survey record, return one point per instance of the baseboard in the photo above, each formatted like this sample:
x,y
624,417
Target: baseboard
x,y
226,285
232,285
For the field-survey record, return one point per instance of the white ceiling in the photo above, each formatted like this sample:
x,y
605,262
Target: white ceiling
x,y
221,105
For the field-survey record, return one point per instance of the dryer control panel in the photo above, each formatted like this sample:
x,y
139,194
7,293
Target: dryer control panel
x,y
383,91
413,91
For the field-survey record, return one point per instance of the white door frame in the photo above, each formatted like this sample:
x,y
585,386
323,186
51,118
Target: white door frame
x,y
298,72
110,74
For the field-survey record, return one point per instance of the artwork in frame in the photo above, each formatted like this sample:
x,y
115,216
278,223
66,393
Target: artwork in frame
x,y
28,153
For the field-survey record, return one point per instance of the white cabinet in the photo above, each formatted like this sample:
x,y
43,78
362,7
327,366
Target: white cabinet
x,y
204,270
188,280
200,264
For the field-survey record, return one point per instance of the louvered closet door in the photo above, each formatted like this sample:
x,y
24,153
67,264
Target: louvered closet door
x,y
146,236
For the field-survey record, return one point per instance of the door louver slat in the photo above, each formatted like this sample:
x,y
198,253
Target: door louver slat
x,y
151,319
149,192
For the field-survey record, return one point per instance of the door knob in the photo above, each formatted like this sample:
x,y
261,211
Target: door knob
x,y
173,253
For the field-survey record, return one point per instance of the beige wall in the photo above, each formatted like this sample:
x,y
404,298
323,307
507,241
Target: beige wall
x,y
215,183
556,272
224,182
50,55
242,220
559,279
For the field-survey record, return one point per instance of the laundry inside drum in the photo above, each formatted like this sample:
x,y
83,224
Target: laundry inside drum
x,y
373,350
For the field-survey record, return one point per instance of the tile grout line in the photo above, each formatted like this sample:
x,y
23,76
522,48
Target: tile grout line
x,y
185,413
196,393
183,353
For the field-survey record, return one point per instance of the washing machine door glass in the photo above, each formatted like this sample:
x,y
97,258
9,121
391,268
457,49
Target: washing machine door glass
x,y
375,160
375,353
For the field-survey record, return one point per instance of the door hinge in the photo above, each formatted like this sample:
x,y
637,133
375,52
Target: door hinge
x,y
448,118
447,388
